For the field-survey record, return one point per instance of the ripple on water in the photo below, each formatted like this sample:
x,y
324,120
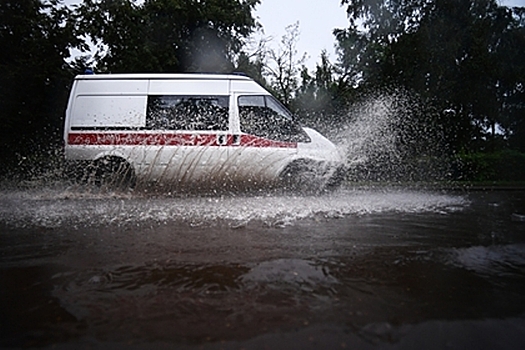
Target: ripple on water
x,y
507,260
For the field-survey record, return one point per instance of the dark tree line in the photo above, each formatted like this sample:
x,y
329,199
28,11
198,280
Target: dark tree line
x,y
464,59
34,42
165,35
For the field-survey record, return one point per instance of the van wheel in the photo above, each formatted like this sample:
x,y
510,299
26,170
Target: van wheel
x,y
111,173
311,176
336,180
302,176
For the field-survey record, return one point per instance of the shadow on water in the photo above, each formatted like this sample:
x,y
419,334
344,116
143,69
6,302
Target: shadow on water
x,y
362,268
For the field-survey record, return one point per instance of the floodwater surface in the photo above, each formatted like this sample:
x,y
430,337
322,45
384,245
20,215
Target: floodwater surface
x,y
355,268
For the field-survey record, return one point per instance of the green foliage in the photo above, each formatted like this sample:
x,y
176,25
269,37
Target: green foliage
x,y
252,68
35,37
166,35
460,55
505,165
322,98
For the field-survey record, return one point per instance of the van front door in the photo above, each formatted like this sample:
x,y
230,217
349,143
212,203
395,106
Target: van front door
x,y
267,138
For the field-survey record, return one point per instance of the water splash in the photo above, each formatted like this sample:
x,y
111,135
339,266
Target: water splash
x,y
53,208
390,137
384,138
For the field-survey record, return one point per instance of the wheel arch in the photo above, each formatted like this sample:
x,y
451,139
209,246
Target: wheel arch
x,y
115,156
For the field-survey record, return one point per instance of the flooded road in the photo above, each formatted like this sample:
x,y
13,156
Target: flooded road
x,y
357,268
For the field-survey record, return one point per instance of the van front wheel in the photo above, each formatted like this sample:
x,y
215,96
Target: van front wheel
x,y
111,173
302,176
311,176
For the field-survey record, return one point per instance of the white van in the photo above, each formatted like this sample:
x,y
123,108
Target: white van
x,y
190,129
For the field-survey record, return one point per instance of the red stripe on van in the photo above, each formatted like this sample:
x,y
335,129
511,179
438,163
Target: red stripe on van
x,y
172,139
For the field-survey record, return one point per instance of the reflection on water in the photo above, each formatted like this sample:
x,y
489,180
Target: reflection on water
x,y
350,269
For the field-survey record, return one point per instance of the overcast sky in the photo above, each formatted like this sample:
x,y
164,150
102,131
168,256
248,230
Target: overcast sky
x,y
317,19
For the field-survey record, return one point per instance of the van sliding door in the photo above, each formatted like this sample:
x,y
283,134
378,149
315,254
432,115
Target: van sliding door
x,y
188,132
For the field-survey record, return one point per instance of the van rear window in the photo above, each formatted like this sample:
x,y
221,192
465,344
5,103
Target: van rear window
x,y
177,112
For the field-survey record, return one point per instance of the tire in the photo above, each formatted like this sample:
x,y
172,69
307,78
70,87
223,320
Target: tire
x,y
336,180
112,173
311,176
302,176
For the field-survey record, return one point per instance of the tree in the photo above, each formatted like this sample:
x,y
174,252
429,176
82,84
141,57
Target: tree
x,y
36,37
453,53
166,35
117,31
322,97
251,60
511,82
284,65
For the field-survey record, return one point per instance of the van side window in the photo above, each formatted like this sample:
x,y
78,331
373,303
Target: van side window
x,y
202,113
264,116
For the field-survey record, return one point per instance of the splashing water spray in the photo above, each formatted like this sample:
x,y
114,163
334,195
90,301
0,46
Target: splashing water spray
x,y
386,138
382,140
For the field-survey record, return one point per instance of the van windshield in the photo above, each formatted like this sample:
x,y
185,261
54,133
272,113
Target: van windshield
x,y
264,116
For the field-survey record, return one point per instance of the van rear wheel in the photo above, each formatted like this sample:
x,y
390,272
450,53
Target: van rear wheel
x,y
111,173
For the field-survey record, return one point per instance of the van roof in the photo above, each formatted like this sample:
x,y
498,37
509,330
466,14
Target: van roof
x,y
160,76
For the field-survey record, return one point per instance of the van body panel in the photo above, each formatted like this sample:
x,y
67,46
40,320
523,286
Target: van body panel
x,y
186,128
114,87
189,87
319,149
248,87
98,111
